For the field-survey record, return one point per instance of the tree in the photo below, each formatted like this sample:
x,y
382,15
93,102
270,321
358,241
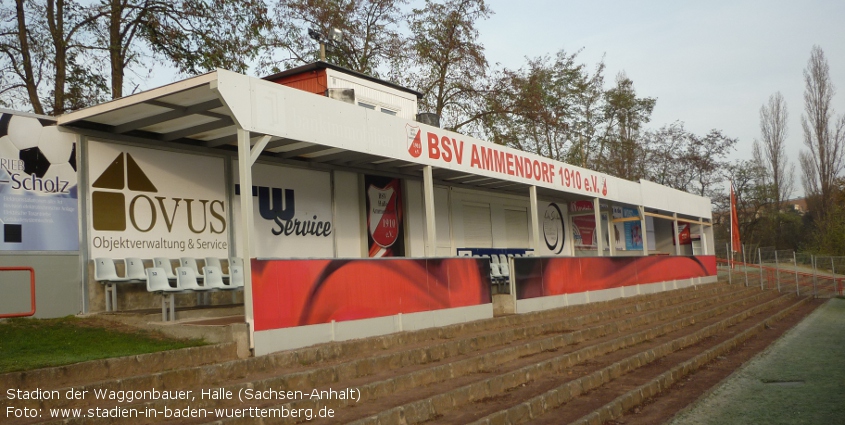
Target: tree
x,y
824,135
535,109
625,114
370,33
449,67
665,160
748,180
685,161
44,56
195,35
770,151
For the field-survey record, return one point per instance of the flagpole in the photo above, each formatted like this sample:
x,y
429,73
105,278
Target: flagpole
x,y
731,212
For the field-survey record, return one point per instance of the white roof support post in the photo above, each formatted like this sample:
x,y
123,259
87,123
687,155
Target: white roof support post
x,y
643,230
611,230
599,235
703,233
677,235
247,157
430,229
533,219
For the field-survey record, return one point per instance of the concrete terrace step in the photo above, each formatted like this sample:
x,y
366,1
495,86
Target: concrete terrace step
x,y
542,408
232,370
414,376
464,370
450,402
639,395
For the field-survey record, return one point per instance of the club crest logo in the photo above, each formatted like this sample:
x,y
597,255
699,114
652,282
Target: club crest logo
x,y
383,218
414,142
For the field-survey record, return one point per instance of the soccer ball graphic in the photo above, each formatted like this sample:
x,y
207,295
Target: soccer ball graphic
x,y
46,152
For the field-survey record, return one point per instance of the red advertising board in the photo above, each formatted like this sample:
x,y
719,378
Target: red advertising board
x,y
540,277
288,293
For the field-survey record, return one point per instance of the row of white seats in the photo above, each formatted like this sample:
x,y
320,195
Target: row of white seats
x,y
183,280
186,282
135,271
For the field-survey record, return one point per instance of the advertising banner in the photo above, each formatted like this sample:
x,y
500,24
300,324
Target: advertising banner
x,y
385,227
584,232
38,186
292,212
288,293
151,203
541,277
683,234
633,230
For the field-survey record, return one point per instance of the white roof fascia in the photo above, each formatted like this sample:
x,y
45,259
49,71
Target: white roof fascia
x,y
137,98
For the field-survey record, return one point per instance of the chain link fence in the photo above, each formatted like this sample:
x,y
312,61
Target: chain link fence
x,y
782,270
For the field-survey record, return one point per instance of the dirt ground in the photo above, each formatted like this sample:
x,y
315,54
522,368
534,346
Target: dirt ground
x,y
669,403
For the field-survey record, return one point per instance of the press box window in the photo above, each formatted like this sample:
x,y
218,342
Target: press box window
x,y
367,105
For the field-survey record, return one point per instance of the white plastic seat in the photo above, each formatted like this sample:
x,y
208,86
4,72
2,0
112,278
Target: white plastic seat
x,y
157,282
235,261
135,269
495,272
166,265
494,258
236,276
215,262
106,273
186,280
505,268
214,279
191,263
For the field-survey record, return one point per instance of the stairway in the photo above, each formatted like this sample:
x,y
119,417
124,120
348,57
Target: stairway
x,y
584,364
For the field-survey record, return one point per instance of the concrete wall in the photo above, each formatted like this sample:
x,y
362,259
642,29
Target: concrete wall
x,y
57,284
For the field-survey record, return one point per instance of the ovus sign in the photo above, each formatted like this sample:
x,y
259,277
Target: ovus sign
x,y
151,203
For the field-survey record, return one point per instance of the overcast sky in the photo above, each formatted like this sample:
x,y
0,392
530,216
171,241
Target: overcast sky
x,y
709,64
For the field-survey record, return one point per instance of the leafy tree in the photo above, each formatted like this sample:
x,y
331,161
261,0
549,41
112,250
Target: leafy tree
x,y
370,33
536,108
43,56
625,114
446,62
195,35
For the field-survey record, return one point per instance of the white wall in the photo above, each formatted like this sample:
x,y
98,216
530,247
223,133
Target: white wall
x,y
348,212
498,204
381,96
443,221
414,218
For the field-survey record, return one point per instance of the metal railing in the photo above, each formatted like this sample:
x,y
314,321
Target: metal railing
x,y
784,271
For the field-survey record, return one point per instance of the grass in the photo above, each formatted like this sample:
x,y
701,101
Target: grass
x,y
35,343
